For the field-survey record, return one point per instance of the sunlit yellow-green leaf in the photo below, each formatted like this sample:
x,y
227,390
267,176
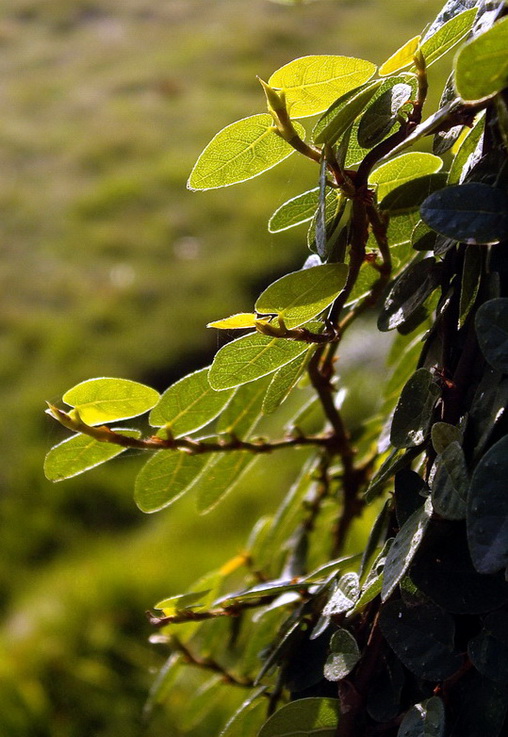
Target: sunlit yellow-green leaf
x,y
297,210
165,477
251,357
189,404
107,400
300,296
240,321
402,58
312,83
481,67
448,36
81,453
402,169
239,152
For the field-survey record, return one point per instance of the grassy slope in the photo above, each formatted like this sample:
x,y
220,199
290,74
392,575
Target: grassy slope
x,y
106,271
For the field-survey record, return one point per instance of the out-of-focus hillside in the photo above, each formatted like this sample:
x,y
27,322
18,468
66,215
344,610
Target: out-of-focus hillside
x,y
111,267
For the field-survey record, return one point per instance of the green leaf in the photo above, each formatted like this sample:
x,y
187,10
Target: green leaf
x,y
81,453
165,478
295,211
409,196
385,688
241,151
409,293
249,358
343,112
284,380
180,602
189,404
248,717
219,477
488,408
163,682
302,295
448,36
108,400
403,549
488,651
468,151
311,717
345,654
403,169
381,115
450,483
413,413
424,720
201,702
243,412
470,284
492,331
487,510
472,212
402,58
481,67
395,462
311,83
422,637
443,434
478,706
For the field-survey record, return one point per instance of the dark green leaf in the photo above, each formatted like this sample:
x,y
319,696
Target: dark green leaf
x,y
81,453
404,548
189,404
489,650
422,637
471,276
414,410
344,655
343,112
488,407
344,596
383,696
469,151
487,510
492,331
409,196
444,572
395,462
444,140
409,292
379,118
472,212
424,720
481,67
476,707
450,483
312,717
423,238
443,434
410,494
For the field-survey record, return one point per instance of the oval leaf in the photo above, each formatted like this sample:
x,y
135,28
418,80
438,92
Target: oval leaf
x,y
107,400
487,510
481,67
239,152
297,210
380,117
413,413
448,36
450,483
343,112
312,83
302,295
409,293
189,404
284,380
472,212
491,323
345,654
251,357
409,196
424,720
403,169
401,59
312,717
165,478
81,453
218,477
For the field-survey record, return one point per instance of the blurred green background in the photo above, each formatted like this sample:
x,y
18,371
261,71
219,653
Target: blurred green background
x,y
110,267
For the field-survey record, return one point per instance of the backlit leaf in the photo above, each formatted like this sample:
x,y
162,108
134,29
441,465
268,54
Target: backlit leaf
x,y
403,169
251,357
243,412
81,453
297,210
481,67
408,197
189,404
165,477
472,212
310,717
448,36
284,380
221,473
343,112
302,295
248,718
402,58
107,400
240,321
312,83
239,152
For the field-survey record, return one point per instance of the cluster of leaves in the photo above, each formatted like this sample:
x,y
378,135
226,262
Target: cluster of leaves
x,y
409,637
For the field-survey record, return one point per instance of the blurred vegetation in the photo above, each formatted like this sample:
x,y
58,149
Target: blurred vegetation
x,y
110,267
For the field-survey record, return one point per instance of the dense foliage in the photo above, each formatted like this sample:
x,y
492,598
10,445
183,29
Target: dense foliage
x,y
408,636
